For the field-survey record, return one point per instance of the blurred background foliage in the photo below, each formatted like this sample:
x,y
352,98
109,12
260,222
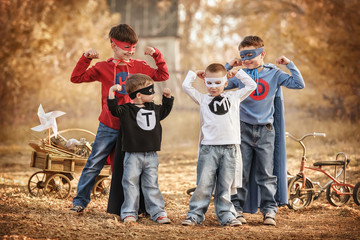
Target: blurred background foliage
x,y
42,40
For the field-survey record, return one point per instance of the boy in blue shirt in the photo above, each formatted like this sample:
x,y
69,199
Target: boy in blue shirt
x,y
257,126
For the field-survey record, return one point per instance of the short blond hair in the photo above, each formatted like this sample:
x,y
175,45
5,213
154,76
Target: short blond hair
x,y
137,81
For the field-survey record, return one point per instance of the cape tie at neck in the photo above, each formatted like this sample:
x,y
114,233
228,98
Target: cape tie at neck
x,y
129,63
254,74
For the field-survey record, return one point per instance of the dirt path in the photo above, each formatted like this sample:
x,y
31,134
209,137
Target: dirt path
x,y
25,217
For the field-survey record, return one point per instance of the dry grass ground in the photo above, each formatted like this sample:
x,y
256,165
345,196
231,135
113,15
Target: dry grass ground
x,y
25,217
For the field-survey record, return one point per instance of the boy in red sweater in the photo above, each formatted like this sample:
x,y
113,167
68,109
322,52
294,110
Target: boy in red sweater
x,y
115,70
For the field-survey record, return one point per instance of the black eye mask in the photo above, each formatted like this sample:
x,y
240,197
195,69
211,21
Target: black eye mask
x,y
149,90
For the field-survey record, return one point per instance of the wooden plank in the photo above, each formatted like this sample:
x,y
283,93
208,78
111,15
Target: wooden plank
x,y
39,160
72,166
49,164
32,162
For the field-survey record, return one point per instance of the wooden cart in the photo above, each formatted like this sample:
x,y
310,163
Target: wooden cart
x,y
59,158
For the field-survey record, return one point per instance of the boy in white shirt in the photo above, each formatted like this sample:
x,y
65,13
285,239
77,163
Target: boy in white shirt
x,y
219,142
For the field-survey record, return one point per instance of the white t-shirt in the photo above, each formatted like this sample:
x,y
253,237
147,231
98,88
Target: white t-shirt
x,y
219,116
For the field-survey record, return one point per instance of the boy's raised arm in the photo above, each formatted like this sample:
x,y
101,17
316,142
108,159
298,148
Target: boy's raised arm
x,y
81,73
112,101
162,72
249,83
189,89
293,81
167,103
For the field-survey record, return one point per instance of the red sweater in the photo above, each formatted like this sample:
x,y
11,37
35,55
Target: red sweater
x,y
104,73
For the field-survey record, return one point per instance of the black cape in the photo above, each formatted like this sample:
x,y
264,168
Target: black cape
x,y
116,196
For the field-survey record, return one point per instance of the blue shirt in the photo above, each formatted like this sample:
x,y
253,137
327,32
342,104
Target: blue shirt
x,y
258,109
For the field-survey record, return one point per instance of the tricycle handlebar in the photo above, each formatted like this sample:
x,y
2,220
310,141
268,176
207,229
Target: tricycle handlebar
x,y
287,134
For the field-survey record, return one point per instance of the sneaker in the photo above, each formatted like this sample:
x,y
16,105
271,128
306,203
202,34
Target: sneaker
x,y
269,219
233,223
163,220
240,217
190,221
77,209
129,219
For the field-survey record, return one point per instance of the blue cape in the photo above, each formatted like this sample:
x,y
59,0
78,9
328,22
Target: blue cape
x,y
252,202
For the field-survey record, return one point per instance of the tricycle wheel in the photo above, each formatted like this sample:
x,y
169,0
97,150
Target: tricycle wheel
x,y
299,197
101,188
36,184
335,199
58,186
356,193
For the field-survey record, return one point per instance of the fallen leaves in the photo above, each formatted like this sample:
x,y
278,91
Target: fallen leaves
x,y
25,217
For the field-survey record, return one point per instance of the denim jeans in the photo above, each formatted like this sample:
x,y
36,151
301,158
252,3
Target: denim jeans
x,y
215,168
257,149
142,165
104,143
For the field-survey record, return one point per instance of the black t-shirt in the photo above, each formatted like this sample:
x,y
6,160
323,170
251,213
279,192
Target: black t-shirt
x,y
141,125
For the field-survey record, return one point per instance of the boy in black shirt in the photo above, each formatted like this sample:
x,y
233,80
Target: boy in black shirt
x,y
141,139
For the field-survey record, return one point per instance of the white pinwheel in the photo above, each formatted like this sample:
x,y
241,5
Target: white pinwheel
x,y
47,120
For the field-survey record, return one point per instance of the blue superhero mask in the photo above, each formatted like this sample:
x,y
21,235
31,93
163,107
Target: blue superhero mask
x,y
250,54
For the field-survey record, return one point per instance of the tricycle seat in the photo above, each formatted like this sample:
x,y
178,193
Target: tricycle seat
x,y
330,163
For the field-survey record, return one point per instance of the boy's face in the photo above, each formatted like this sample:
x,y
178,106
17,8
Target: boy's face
x,y
147,98
254,62
217,85
123,52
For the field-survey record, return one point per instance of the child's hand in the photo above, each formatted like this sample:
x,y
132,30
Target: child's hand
x,y
149,51
282,60
201,74
167,92
112,90
116,87
236,62
231,73
91,54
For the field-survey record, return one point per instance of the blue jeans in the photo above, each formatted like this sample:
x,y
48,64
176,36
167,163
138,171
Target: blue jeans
x,y
104,143
216,167
257,149
142,165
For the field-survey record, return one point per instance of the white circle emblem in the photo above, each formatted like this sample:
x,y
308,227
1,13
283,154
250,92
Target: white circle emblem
x,y
146,119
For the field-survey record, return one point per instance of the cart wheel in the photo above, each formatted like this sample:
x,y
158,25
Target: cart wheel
x,y
190,191
36,184
298,200
101,188
356,193
334,198
58,186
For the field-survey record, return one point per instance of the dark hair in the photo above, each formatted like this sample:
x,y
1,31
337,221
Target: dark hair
x,y
123,33
136,81
254,41
216,67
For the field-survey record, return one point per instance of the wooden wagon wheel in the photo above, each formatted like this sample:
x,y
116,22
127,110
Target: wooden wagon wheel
x,y
58,186
36,184
101,188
